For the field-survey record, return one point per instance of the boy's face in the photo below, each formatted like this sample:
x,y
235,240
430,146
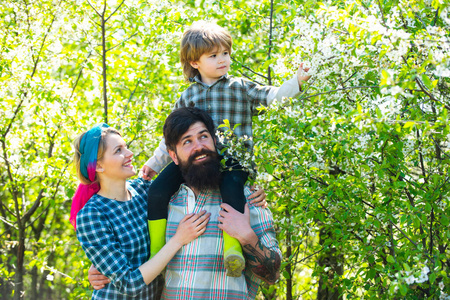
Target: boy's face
x,y
213,65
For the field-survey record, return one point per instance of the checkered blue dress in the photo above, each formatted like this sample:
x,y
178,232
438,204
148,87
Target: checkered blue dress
x,y
114,236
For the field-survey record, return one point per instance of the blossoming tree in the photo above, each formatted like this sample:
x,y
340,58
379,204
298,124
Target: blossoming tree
x,y
355,167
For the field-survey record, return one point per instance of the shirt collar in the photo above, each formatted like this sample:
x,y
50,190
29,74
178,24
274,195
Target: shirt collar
x,y
203,193
199,81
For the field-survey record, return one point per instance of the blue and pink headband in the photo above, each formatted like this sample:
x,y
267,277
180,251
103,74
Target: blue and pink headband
x,y
88,164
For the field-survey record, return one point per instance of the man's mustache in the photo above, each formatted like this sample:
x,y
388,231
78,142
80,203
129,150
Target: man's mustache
x,y
201,152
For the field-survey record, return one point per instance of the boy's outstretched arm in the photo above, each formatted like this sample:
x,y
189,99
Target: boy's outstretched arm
x,y
301,77
291,87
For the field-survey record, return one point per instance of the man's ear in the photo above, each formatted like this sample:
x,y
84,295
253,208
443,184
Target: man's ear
x,y
174,157
194,64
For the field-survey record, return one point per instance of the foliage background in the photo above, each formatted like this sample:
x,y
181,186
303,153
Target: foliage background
x,y
356,167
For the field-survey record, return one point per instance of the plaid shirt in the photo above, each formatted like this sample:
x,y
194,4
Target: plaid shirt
x,y
234,99
197,270
114,236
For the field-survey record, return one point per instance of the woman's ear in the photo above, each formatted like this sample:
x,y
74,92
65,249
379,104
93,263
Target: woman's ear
x,y
99,168
174,157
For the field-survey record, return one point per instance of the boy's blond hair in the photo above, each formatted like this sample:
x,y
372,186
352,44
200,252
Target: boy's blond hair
x,y
200,38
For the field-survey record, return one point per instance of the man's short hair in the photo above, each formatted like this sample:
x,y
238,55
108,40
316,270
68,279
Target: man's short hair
x,y
202,37
179,121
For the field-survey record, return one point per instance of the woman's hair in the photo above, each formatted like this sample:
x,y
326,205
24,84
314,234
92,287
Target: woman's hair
x,y
202,37
100,153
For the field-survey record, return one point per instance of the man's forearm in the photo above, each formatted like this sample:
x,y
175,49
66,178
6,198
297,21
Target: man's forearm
x,y
263,262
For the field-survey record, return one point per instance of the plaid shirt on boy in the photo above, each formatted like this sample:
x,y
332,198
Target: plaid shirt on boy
x,y
197,270
114,236
235,99
231,98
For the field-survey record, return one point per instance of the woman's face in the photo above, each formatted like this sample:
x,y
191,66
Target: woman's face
x,y
116,161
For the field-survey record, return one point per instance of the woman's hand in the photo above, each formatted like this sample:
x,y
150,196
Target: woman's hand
x,y
258,197
191,227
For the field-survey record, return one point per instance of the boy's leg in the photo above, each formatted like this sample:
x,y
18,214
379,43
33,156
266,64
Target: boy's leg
x,y
232,190
159,194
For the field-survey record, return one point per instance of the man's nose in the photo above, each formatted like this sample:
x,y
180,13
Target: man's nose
x,y
198,145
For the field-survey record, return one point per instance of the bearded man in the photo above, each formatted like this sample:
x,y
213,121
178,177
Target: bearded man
x,y
197,270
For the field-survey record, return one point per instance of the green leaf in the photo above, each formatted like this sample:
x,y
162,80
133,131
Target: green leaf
x,y
426,80
390,259
432,277
269,168
409,124
403,289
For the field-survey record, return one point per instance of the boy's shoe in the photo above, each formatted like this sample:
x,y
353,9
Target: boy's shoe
x,y
233,259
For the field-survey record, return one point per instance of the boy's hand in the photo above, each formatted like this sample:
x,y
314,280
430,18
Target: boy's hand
x,y
147,172
301,77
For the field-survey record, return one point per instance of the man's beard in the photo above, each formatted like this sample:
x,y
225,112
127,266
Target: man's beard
x,y
203,175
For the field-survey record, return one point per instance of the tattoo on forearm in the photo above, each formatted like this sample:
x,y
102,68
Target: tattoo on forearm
x,y
263,262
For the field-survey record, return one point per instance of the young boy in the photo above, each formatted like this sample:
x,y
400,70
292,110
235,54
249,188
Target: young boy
x,y
205,57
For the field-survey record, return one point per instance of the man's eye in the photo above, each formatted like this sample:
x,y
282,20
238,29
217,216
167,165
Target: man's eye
x,y
186,142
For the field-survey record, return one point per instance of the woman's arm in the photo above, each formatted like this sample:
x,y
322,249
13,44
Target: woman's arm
x,y
190,227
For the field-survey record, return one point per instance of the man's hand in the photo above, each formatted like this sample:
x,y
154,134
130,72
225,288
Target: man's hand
x,y
97,279
147,172
237,225
258,197
301,77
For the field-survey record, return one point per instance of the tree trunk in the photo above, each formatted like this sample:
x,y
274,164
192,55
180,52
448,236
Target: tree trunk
x,y
333,261
19,289
289,265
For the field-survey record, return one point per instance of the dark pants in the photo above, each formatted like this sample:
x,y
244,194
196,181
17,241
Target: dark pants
x,y
169,180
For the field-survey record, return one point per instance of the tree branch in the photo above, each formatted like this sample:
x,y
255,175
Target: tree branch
x,y
94,8
132,93
342,89
128,38
270,42
247,68
407,237
114,10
